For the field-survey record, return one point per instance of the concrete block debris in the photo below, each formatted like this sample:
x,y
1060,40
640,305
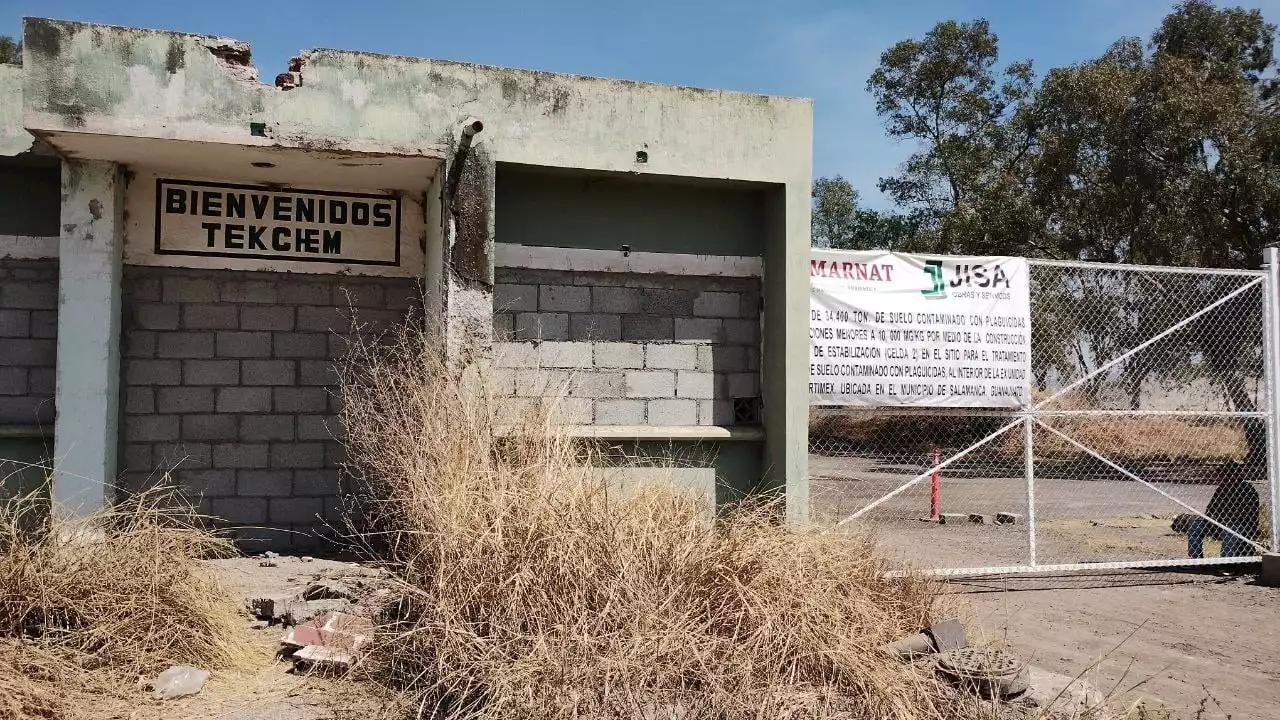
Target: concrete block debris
x,y
301,611
943,636
320,658
328,590
909,647
952,519
1062,695
178,681
948,635
979,519
273,608
1008,518
339,630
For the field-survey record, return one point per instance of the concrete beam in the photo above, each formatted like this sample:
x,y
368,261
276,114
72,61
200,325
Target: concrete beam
x,y
88,373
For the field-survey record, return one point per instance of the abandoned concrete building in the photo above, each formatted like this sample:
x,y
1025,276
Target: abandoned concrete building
x,y
181,245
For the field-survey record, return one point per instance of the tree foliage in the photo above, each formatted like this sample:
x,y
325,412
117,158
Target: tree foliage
x,y
10,50
839,222
1162,152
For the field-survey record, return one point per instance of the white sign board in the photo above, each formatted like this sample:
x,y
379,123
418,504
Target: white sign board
x,y
888,329
252,221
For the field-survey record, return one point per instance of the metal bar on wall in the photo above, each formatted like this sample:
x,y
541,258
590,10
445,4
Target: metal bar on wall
x,y
1270,355
1029,469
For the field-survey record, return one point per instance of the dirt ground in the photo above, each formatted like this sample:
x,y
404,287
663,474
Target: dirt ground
x,y
1204,646
268,690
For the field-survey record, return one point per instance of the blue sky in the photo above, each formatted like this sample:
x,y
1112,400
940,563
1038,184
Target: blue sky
x,y
821,49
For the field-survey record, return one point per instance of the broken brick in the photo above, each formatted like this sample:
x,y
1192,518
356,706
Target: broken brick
x,y
322,658
337,630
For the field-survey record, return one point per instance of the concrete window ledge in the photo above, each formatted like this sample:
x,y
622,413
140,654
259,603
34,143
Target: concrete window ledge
x,y
721,433
25,431
673,432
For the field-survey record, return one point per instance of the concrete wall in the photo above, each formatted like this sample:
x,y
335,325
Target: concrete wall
x,y
28,342
649,214
14,138
86,87
191,87
629,348
228,380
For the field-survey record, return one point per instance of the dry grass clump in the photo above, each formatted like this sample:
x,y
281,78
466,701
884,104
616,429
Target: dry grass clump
x,y
534,588
99,602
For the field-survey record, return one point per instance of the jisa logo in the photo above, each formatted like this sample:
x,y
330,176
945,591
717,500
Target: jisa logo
x,y
964,276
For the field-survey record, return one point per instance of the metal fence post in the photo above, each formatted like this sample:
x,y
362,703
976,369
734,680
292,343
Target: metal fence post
x,y
1271,354
1029,470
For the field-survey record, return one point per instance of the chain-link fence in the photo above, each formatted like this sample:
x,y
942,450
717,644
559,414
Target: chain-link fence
x,y
1147,441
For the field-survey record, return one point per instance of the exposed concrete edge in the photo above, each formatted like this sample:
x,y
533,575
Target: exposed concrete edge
x,y
43,126
667,432
28,247
25,431
590,260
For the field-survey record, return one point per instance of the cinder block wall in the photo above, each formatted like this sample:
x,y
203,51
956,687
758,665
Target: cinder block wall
x,y
629,348
228,381
28,341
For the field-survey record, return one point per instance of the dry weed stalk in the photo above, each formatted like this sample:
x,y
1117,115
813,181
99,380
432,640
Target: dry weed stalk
x,y
108,598
533,590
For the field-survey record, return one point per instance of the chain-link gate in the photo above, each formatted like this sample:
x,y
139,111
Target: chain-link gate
x,y
1149,440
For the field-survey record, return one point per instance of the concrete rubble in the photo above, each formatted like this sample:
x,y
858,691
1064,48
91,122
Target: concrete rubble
x,y
329,622
1051,694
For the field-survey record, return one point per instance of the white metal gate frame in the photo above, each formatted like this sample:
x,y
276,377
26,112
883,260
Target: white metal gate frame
x,y
1269,279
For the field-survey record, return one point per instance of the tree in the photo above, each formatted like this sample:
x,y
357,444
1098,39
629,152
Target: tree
x,y
966,186
10,50
840,223
835,210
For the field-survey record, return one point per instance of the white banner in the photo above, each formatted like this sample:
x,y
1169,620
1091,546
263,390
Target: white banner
x,y
888,329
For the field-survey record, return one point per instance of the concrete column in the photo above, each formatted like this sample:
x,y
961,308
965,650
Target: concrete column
x,y
468,266
88,372
785,368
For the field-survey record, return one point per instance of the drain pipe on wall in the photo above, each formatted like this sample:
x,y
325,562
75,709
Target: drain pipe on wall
x,y
469,129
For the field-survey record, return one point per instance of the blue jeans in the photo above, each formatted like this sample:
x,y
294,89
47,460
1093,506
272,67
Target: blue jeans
x,y
1232,546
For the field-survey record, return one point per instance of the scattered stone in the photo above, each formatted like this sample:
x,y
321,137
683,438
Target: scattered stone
x,y
270,608
259,625
322,659
270,555
328,590
306,558
267,563
979,519
948,635
304,610
952,519
1008,518
1062,694
178,681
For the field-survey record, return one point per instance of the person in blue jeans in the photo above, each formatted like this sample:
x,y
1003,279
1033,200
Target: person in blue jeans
x,y
1235,504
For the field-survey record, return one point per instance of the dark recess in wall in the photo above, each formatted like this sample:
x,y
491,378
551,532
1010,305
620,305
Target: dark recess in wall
x,y
553,207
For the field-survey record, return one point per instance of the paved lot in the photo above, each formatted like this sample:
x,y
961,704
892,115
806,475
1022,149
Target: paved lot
x,y
1079,519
